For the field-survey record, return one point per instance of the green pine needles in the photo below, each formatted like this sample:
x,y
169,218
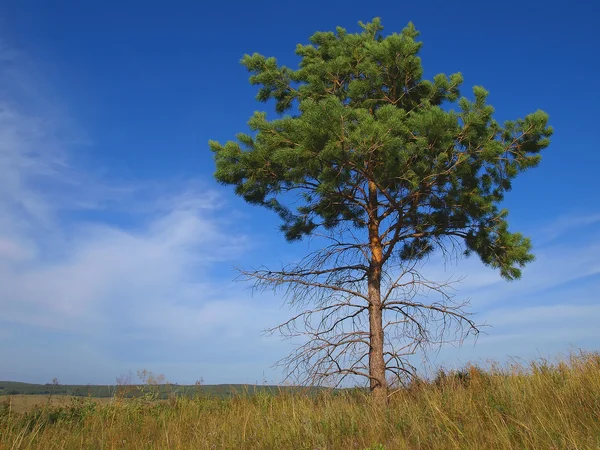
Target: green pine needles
x,y
387,164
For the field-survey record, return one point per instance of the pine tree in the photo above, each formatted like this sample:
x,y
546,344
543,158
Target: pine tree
x,y
389,167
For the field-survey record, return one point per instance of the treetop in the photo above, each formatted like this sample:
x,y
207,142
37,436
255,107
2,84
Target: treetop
x,y
355,113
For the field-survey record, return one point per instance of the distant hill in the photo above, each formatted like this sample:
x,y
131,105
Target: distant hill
x,y
164,390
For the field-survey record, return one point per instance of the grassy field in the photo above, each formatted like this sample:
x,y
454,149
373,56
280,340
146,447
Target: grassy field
x,y
28,403
541,406
131,390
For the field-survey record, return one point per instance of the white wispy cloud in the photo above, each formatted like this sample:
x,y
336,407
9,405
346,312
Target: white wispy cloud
x,y
92,278
567,224
161,275
551,309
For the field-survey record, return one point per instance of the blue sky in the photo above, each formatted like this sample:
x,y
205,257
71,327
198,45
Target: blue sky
x,y
117,247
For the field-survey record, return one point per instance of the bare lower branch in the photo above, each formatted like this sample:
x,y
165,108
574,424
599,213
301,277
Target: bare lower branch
x,y
331,327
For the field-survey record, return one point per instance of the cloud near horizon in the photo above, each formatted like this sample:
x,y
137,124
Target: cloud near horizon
x,y
98,278
92,270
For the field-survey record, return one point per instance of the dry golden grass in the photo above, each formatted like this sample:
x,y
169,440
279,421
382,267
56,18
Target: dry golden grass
x,y
27,403
542,406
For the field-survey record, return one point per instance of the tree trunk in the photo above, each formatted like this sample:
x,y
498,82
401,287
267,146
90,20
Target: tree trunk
x,y
379,388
